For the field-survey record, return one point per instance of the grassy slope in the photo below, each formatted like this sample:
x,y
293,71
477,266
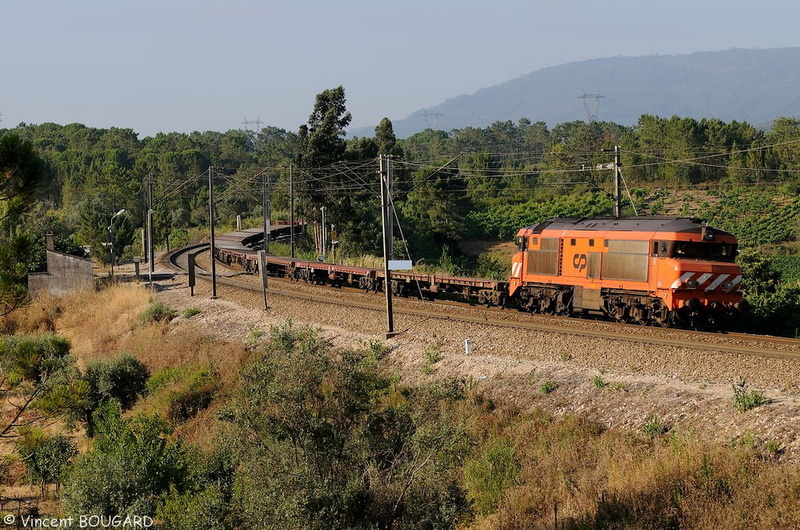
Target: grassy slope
x,y
565,469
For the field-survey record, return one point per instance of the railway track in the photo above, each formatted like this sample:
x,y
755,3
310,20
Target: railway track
x,y
732,343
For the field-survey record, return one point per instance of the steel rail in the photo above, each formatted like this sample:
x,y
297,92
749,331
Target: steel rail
x,y
620,332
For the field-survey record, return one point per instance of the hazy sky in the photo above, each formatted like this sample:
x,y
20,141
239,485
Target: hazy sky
x,y
185,65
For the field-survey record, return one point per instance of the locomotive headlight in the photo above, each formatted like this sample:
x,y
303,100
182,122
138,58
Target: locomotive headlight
x,y
691,284
727,286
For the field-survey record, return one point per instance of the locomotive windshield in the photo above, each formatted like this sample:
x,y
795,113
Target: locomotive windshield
x,y
697,250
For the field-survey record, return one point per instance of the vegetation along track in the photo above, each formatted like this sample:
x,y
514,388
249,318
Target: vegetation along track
x,y
737,343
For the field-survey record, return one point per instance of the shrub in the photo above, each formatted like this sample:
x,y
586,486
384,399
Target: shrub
x,y
131,464
323,440
205,502
161,378
655,427
745,399
548,386
189,312
45,456
379,349
156,312
432,354
123,378
450,388
197,396
489,475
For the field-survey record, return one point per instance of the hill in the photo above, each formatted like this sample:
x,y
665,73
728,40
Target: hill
x,y
756,86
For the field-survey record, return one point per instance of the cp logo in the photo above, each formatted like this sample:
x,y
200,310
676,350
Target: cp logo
x,y
579,261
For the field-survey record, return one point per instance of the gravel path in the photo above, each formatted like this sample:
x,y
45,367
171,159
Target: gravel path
x,y
618,383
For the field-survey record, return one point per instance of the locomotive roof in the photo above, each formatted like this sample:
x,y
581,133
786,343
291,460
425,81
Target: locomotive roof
x,y
625,224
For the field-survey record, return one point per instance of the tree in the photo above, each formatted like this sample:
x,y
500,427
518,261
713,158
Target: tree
x,y
38,378
385,138
122,379
21,172
326,128
45,456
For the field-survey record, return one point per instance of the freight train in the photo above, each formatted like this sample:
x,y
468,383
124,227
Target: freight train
x,y
660,271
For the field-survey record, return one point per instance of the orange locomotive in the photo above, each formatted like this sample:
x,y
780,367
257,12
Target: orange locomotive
x,y
647,270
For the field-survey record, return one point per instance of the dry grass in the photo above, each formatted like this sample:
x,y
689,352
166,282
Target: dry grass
x,y
101,324
36,317
96,321
583,476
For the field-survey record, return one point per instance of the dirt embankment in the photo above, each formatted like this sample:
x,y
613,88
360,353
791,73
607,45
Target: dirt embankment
x,y
620,384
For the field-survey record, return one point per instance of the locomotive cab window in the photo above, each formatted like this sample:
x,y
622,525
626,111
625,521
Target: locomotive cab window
x,y
660,249
522,243
702,250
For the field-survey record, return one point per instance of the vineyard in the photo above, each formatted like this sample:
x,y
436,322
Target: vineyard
x,y
757,217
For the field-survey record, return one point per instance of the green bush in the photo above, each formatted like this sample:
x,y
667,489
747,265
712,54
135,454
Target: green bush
x,y
197,396
490,474
162,378
548,386
129,467
123,378
205,501
45,456
189,312
157,312
745,399
655,427
329,442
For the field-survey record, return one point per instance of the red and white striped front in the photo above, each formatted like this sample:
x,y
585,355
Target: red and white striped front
x,y
708,282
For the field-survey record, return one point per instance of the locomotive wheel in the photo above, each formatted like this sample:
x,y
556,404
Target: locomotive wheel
x,y
662,316
546,306
563,303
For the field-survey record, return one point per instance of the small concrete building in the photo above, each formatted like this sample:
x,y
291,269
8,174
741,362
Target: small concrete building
x,y
64,273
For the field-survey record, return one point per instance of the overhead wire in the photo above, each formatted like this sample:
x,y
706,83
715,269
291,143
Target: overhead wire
x,y
355,176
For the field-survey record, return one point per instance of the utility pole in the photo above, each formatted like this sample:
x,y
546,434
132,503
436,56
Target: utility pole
x,y
390,227
616,165
291,209
266,205
322,209
387,282
111,234
150,259
211,223
617,178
